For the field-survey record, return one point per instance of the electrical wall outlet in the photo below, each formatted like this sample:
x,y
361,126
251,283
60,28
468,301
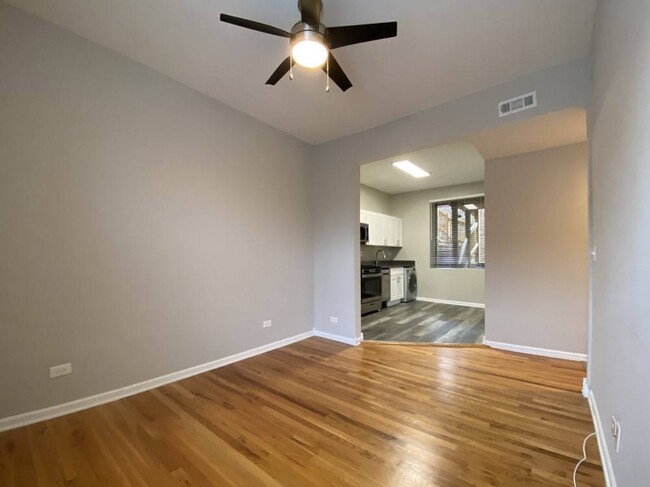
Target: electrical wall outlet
x,y
59,370
616,432
267,323
594,254
334,319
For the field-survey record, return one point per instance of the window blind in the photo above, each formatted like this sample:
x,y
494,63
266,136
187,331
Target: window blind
x,y
458,233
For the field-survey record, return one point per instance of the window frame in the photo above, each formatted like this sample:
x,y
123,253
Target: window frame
x,y
433,232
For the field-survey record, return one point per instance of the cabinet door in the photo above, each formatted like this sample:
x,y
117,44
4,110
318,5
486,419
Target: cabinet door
x,y
400,287
386,230
393,231
376,228
390,231
393,288
398,232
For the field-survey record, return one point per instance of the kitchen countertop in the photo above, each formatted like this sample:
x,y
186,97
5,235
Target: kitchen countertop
x,y
391,263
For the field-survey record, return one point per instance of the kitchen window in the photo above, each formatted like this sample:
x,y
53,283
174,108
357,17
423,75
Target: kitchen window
x,y
458,233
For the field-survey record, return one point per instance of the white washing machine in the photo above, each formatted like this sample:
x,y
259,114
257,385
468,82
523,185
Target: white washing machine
x,y
410,285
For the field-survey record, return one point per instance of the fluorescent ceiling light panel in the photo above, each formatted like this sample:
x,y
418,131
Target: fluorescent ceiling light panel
x,y
471,206
412,169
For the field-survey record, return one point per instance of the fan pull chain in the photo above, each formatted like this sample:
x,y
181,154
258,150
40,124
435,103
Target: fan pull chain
x,y
327,75
290,63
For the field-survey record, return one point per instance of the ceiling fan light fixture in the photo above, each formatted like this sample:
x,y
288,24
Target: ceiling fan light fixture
x,y
310,54
308,49
310,41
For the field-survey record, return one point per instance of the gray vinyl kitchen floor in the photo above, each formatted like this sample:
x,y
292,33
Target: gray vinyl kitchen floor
x,y
424,322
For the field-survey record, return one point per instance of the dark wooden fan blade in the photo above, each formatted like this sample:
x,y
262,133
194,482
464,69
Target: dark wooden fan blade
x,y
251,24
337,74
279,73
310,12
355,34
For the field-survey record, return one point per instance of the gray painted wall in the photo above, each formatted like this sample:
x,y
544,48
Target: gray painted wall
x,y
620,165
121,188
537,249
335,176
374,200
144,228
467,285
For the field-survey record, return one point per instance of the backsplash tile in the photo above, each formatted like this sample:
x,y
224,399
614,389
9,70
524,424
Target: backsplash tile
x,y
368,252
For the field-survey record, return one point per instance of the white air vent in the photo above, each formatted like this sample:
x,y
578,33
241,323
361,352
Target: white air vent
x,y
518,104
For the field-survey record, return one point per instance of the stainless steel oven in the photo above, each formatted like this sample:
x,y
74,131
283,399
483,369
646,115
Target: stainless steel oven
x,y
370,289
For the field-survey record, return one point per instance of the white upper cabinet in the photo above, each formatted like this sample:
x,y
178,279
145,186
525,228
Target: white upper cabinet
x,y
397,229
377,229
385,230
394,231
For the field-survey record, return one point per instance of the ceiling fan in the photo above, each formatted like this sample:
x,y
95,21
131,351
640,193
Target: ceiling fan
x,y
311,43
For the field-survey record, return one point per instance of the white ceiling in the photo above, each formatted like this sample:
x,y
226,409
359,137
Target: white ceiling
x,y
532,134
445,49
462,162
449,164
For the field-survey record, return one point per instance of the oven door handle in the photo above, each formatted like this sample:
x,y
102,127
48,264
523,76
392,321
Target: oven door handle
x,y
368,276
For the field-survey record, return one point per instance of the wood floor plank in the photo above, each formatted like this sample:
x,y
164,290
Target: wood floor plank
x,y
318,413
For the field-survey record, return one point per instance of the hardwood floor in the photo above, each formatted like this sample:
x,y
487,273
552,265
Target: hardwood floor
x,y
424,322
321,413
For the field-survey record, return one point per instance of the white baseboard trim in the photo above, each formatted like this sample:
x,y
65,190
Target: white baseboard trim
x,y
31,417
605,459
544,352
338,338
447,301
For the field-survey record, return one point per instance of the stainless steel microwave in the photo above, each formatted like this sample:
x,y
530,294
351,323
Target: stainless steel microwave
x,y
365,233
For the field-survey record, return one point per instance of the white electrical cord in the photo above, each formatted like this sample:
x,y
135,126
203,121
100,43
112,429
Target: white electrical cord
x,y
584,457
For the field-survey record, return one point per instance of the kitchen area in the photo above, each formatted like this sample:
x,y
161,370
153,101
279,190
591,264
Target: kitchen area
x,y
407,294
390,309
385,282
